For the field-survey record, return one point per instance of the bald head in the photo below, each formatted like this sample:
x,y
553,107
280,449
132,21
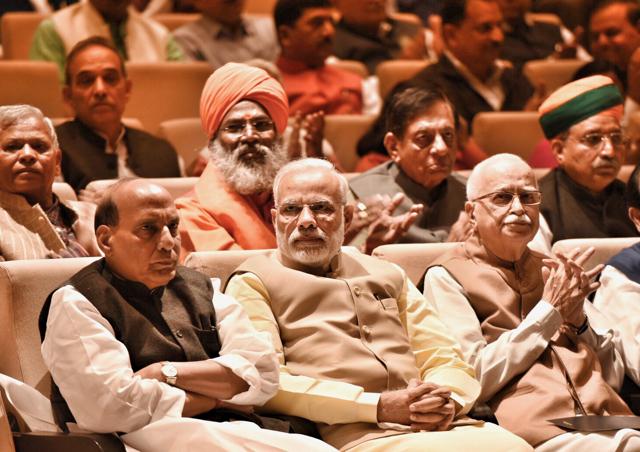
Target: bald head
x,y
492,169
137,230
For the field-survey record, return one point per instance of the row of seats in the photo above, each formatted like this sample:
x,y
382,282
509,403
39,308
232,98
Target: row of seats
x,y
178,186
24,286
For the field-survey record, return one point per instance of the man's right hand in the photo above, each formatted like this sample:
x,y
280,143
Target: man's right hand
x,y
567,283
423,406
195,404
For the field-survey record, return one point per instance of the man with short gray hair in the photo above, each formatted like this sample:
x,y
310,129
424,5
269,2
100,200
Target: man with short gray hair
x,y
35,224
361,352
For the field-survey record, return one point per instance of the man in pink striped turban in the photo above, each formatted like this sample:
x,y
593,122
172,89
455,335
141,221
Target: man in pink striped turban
x,y
244,112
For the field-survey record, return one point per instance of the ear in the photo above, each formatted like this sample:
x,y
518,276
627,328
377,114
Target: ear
x,y
58,157
557,147
128,84
274,214
284,35
449,33
469,209
391,144
349,209
66,94
103,237
634,216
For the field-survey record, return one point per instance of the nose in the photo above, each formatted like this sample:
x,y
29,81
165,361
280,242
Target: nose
x,y
516,205
328,29
27,155
607,147
249,134
497,35
99,86
167,240
306,220
439,146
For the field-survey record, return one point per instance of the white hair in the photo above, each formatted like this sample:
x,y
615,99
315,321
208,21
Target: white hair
x,y
308,164
477,175
13,114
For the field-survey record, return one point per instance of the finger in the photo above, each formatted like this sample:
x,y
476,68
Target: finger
x,y
427,418
585,256
594,271
419,391
550,263
395,202
442,391
428,403
408,220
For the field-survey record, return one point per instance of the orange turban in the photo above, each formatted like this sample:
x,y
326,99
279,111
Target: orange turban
x,y
234,82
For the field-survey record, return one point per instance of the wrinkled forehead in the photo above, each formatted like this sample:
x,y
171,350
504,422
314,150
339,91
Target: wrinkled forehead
x,y
310,185
30,125
508,176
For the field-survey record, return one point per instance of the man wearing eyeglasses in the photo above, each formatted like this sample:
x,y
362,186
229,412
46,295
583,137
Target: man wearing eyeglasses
x,y
522,321
582,197
361,352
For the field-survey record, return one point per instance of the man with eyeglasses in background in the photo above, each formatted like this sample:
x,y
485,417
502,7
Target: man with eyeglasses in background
x,y
522,321
582,197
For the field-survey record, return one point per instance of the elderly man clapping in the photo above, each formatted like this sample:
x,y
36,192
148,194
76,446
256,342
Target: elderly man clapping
x,y
522,320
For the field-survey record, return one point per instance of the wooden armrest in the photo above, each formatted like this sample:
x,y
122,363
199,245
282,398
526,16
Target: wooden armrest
x,y
65,442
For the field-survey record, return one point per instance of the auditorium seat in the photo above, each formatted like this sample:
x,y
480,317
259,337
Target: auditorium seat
x,y
343,132
414,258
515,132
17,33
175,20
34,83
165,90
64,191
625,172
551,73
259,6
24,286
176,186
185,135
605,249
392,72
353,66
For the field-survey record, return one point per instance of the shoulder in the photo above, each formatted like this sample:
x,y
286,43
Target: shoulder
x,y
139,137
375,180
81,208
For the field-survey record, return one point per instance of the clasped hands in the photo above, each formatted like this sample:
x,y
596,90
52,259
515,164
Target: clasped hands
x,y
567,284
422,406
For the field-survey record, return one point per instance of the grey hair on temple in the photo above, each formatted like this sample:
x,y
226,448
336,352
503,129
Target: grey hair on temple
x,y
310,163
475,178
11,115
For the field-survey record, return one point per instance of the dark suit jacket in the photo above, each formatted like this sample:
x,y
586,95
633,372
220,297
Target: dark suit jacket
x,y
524,42
84,159
466,100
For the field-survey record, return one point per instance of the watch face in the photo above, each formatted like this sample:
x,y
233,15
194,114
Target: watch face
x,y
168,370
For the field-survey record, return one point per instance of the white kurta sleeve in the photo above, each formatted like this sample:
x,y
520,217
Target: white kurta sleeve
x,y
618,300
511,354
245,351
93,371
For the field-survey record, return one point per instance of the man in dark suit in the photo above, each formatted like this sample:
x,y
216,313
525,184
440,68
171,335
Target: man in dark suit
x,y
96,145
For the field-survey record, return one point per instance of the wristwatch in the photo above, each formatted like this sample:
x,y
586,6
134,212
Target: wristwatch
x,y
169,372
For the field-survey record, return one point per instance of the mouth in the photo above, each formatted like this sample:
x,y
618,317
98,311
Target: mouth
x,y
309,241
27,171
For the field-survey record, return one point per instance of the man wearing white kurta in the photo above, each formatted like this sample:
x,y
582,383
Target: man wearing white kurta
x,y
521,318
138,345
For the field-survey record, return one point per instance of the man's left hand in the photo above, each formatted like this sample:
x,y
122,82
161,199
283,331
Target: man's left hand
x,y
433,411
388,228
151,372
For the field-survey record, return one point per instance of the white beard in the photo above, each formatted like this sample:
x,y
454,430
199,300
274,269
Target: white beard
x,y
248,178
312,256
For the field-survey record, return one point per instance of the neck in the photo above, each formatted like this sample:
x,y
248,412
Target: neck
x,y
45,200
479,69
111,132
367,29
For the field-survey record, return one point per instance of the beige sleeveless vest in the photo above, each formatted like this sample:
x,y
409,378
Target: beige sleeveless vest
x,y
502,294
145,40
342,327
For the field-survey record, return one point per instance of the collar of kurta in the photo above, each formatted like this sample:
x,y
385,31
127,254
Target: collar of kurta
x,y
221,31
522,275
291,66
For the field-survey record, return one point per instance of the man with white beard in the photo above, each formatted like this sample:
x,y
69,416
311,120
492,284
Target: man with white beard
x,y
361,352
244,113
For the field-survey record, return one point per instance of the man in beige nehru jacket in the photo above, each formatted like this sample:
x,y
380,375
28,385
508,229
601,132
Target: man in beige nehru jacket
x,y
522,321
361,352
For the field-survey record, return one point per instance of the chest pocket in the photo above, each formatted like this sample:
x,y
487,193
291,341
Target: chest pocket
x,y
388,304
